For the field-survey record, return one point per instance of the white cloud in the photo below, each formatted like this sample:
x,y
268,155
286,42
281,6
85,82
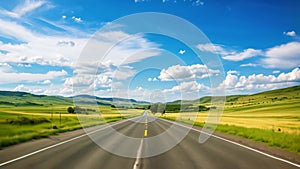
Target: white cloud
x,y
198,3
5,68
6,77
28,6
37,48
248,53
24,8
186,90
64,17
259,81
102,81
178,72
190,87
276,71
45,90
181,51
45,82
78,20
123,74
283,56
24,65
214,48
152,79
249,65
66,43
290,33
233,72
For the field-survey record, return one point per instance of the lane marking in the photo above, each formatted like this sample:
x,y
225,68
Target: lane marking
x,y
235,143
137,163
64,142
145,132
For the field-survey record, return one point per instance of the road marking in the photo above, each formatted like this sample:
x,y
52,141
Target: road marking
x,y
64,142
235,143
146,133
137,163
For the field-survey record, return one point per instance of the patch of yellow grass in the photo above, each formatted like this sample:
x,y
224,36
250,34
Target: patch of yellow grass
x,y
285,122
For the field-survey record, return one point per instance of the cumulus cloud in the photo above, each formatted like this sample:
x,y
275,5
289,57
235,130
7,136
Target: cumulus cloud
x,y
228,54
178,72
186,90
276,71
102,81
190,87
290,33
259,81
6,77
283,56
248,53
64,17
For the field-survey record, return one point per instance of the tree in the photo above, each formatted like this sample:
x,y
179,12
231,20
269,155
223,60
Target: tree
x,y
71,110
154,108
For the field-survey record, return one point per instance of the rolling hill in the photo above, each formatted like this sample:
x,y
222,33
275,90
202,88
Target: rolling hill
x,y
12,98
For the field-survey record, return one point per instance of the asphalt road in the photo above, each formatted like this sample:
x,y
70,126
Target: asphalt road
x,y
83,153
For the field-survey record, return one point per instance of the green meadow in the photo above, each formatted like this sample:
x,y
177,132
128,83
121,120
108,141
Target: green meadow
x,y
272,118
24,117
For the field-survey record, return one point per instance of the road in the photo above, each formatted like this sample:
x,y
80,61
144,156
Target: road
x,y
82,151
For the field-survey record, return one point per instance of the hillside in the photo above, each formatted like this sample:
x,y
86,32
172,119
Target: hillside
x,y
262,97
12,98
26,99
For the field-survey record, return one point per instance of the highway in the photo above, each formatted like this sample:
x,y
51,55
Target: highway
x,y
81,152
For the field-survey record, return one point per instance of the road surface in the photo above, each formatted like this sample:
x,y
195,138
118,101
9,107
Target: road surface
x,y
81,152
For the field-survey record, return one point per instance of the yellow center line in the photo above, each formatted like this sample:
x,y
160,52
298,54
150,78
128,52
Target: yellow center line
x,y
146,128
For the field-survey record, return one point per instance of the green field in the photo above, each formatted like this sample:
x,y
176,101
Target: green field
x,y
272,117
23,123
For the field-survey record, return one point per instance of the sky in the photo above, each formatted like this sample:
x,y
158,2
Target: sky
x,y
183,49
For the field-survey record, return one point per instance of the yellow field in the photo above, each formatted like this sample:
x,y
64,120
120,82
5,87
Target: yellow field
x,y
287,123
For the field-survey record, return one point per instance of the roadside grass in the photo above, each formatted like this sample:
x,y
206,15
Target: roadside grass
x,y
272,118
286,141
23,124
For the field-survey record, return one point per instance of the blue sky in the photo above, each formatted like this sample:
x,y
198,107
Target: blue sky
x,y
46,47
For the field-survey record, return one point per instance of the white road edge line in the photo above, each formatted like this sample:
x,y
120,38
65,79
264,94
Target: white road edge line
x,y
64,142
136,164
235,143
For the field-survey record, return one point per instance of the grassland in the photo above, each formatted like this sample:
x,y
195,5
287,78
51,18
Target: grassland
x,y
272,117
23,123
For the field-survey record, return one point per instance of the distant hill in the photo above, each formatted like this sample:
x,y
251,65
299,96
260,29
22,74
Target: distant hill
x,y
279,94
12,98
27,99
